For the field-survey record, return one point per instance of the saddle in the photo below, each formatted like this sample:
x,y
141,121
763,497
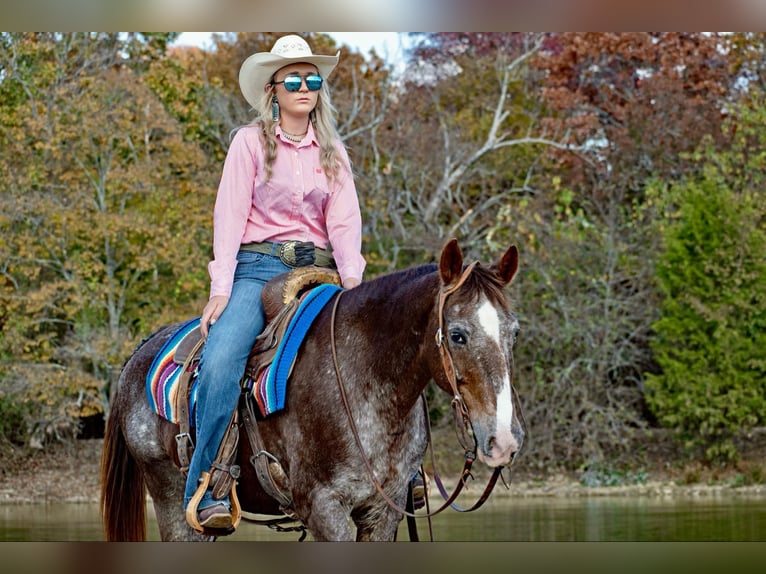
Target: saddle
x,y
281,298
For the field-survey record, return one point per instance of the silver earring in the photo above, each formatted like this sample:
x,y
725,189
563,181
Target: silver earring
x,y
274,108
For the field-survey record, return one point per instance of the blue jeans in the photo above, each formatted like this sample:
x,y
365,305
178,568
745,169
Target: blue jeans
x,y
223,361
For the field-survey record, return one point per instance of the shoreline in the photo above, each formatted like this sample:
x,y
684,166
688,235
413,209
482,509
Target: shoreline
x,y
70,473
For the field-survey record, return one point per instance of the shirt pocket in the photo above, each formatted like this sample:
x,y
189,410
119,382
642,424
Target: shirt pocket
x,y
321,181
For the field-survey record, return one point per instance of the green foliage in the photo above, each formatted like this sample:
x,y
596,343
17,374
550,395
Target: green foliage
x,y
13,421
112,145
606,475
582,340
712,331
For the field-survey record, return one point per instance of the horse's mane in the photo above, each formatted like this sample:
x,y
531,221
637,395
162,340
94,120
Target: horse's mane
x,y
481,280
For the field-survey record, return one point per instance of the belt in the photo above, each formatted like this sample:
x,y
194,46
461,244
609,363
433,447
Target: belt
x,y
294,253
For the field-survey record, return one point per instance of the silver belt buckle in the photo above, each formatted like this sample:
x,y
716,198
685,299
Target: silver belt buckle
x,y
287,253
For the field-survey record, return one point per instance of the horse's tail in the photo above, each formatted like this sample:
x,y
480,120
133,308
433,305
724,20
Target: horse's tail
x,y
123,489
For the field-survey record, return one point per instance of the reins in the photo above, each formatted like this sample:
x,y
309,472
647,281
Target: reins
x,y
469,455
458,404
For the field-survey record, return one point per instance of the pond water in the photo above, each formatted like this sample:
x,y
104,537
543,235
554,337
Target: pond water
x,y
580,519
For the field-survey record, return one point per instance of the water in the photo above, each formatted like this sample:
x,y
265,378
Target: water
x,y
580,519
607,519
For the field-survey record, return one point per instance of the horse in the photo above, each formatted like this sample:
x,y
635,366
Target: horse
x,y
449,323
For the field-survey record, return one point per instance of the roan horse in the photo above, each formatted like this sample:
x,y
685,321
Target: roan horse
x,y
388,345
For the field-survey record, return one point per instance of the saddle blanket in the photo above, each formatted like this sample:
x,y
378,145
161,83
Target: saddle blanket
x,y
162,378
270,388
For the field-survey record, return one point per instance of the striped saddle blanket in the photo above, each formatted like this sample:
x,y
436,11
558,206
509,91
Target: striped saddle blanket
x,y
269,388
163,376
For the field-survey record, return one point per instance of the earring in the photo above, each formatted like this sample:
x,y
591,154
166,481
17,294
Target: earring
x,y
274,108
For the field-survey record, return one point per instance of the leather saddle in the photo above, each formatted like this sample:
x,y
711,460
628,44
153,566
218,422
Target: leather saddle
x,y
280,298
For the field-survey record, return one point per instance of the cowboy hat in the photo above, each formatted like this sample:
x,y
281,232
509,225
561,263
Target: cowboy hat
x,y
258,69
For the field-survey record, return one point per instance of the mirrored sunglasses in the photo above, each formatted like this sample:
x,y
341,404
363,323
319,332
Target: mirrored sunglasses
x,y
293,82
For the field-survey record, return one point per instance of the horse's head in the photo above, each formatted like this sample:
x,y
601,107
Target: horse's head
x,y
477,331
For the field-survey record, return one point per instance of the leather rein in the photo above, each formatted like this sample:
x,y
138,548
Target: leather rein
x,y
458,405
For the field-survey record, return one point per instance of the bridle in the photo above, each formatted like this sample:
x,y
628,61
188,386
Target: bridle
x,y
458,405
459,408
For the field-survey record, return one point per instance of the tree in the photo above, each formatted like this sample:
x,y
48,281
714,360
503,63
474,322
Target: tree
x,y
633,104
112,146
463,139
710,337
100,198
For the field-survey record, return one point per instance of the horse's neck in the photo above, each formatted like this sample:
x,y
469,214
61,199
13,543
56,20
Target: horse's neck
x,y
396,328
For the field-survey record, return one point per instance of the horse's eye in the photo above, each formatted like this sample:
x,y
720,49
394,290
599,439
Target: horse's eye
x,y
458,337
515,328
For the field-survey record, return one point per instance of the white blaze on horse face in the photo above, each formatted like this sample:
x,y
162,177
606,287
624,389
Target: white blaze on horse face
x,y
489,321
505,406
504,441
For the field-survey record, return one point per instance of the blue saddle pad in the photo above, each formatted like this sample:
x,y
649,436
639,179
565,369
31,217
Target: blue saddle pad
x,y
271,387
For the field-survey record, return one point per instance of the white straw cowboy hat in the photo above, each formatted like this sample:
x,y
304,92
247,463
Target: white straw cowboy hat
x,y
259,68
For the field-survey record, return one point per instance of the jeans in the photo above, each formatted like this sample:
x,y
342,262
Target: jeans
x,y
223,361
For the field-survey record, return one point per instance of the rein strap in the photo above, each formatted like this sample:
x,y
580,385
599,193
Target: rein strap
x,y
449,369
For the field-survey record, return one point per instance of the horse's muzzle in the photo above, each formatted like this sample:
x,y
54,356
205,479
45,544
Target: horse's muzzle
x,y
500,451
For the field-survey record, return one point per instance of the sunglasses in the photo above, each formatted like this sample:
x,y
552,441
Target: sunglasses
x,y
293,82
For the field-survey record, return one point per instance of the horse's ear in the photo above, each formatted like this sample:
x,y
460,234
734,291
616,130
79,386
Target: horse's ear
x,y
508,264
451,262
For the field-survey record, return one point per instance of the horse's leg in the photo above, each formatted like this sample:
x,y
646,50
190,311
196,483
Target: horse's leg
x,y
380,522
328,519
378,526
152,440
166,487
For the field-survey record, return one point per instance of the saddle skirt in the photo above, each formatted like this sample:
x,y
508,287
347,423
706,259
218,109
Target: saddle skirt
x,y
269,367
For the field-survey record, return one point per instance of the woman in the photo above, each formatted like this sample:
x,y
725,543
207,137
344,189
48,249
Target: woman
x,y
286,179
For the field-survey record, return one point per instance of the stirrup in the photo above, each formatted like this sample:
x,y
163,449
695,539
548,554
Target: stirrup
x,y
192,517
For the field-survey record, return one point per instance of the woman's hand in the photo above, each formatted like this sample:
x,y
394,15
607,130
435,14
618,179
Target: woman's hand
x,y
211,312
350,282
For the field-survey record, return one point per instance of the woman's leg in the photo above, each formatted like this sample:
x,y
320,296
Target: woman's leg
x,y
223,362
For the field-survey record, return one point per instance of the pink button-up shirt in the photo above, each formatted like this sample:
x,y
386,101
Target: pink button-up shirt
x,y
296,203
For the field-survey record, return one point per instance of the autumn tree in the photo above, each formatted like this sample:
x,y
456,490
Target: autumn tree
x,y
103,234
633,105
113,144
576,147
463,139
